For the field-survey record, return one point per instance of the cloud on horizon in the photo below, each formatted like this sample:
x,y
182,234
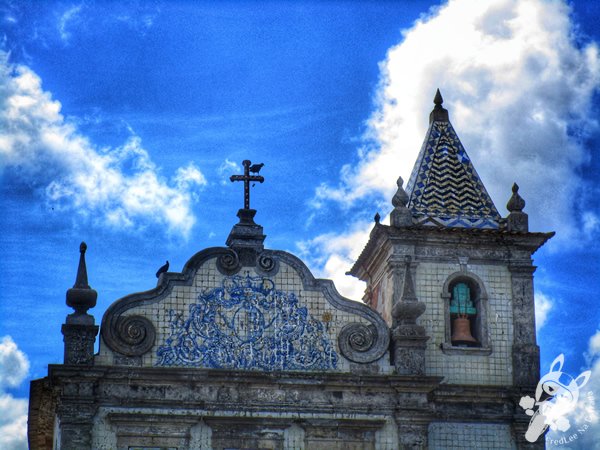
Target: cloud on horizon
x,y
518,86
118,187
14,367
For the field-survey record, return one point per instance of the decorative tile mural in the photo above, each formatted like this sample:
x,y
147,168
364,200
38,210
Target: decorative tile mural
x,y
247,324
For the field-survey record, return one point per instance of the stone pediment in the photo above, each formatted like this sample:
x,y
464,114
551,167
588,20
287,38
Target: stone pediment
x,y
267,313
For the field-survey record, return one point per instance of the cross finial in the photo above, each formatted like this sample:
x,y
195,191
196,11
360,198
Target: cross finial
x,y
247,178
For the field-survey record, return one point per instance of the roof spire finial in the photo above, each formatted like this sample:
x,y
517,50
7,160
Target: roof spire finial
x,y
438,100
439,113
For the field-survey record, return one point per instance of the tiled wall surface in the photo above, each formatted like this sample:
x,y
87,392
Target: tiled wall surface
x,y
493,369
470,436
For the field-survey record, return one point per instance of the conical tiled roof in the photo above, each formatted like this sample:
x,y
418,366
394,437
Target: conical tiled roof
x,y
444,187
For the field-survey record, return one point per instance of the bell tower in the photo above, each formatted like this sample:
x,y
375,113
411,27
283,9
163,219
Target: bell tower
x,y
471,272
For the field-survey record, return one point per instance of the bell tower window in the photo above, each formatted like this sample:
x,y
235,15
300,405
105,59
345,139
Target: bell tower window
x,y
465,311
462,315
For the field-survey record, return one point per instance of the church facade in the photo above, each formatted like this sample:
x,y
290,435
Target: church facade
x,y
246,349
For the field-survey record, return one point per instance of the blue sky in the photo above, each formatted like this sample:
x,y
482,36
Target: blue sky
x,y
121,123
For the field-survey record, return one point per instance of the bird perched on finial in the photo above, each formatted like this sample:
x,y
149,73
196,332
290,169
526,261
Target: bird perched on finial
x,y
163,269
255,168
377,217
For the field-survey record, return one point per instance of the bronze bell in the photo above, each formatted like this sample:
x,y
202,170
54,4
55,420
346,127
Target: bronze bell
x,y
461,332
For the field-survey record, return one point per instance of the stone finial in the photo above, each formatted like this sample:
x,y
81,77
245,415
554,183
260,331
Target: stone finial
x,y
81,297
439,113
517,220
516,202
401,215
400,198
79,331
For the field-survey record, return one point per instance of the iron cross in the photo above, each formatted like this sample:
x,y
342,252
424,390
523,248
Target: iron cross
x,y
247,178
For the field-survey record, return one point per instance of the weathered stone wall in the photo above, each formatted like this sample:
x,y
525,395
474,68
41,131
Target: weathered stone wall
x,y
120,428
466,366
120,407
40,421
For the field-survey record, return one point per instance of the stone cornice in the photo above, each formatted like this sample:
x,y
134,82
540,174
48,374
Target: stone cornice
x,y
171,376
381,235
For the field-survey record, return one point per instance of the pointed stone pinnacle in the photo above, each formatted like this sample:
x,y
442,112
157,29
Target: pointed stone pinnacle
x,y
81,282
408,290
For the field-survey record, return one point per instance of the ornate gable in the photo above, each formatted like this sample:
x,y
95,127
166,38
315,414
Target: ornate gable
x,y
243,308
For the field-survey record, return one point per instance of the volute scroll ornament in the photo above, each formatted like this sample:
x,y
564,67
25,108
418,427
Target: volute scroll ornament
x,y
228,263
356,340
267,263
131,335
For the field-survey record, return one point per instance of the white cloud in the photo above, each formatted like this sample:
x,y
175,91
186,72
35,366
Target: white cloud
x,y
189,176
335,254
14,364
594,345
14,367
66,19
517,87
120,187
543,305
591,222
227,169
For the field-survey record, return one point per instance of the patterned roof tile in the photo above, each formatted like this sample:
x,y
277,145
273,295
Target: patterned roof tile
x,y
444,188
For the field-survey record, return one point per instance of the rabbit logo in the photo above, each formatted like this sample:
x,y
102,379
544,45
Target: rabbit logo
x,y
556,396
